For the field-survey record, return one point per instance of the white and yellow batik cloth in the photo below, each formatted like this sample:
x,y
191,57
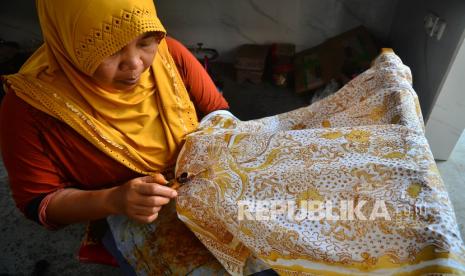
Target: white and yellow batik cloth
x,y
347,185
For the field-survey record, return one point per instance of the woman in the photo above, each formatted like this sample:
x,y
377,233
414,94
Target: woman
x,y
92,123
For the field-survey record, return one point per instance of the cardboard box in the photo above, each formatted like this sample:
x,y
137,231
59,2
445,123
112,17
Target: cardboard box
x,y
250,62
340,57
309,66
254,77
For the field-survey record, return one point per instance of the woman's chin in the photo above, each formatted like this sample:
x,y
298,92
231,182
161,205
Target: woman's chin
x,y
124,87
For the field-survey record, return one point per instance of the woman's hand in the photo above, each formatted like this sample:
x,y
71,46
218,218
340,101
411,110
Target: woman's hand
x,y
141,198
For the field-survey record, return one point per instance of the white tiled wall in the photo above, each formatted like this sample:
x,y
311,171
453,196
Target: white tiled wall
x,y
225,24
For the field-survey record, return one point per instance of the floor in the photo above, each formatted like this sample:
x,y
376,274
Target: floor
x,y
24,243
453,174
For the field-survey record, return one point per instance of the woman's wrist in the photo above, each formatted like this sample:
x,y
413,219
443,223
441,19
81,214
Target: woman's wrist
x,y
110,200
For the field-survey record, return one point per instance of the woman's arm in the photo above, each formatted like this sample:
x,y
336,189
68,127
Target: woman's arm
x,y
43,191
139,199
201,88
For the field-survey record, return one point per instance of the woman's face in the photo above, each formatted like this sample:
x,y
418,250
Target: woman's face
x,y
122,70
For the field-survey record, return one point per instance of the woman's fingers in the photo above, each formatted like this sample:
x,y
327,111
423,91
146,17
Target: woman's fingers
x,y
157,178
153,201
146,211
160,179
145,196
152,189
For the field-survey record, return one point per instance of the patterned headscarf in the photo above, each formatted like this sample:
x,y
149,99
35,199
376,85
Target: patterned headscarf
x,y
142,128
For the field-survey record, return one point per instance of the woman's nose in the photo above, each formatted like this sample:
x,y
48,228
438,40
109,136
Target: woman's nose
x,y
131,60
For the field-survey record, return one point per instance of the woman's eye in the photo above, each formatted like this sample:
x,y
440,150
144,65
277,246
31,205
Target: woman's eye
x,y
148,42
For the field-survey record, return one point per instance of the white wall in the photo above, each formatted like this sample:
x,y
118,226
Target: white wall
x,y
428,58
226,24
447,119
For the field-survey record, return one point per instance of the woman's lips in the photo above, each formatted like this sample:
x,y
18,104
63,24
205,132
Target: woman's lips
x,y
129,81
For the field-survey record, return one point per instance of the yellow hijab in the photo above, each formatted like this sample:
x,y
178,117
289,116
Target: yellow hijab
x,y
143,128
